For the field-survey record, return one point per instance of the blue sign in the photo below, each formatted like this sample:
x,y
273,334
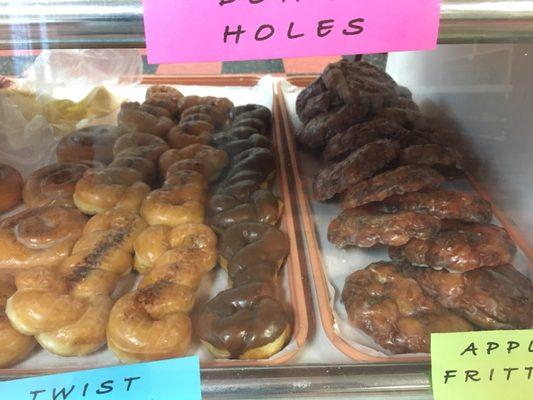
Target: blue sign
x,y
177,379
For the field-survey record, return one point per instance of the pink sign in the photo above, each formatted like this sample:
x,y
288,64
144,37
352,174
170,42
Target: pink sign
x,y
223,30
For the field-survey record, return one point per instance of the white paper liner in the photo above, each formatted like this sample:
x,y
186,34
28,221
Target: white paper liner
x,y
212,283
339,263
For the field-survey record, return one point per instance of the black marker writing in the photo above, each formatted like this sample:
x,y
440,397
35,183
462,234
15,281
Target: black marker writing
x,y
450,373
291,35
105,387
472,375
237,33
472,348
36,393
325,27
63,393
260,36
356,28
130,381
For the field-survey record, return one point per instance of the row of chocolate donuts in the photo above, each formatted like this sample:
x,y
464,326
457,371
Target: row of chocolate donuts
x,y
247,321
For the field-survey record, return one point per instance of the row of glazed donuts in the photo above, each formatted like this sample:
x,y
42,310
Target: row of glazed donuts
x,y
66,307
247,321
62,297
173,254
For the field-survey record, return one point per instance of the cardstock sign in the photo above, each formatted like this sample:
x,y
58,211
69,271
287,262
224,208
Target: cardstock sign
x,y
177,379
490,365
221,30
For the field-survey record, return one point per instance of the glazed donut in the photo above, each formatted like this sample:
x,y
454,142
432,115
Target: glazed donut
x,y
194,242
67,308
197,117
187,164
248,243
181,178
140,145
101,190
191,132
146,167
88,144
10,187
53,185
221,105
173,206
218,116
41,236
132,118
214,160
159,308
158,108
14,346
164,91
262,206
245,322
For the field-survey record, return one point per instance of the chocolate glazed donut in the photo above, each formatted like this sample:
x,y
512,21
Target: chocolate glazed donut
x,y
241,196
247,321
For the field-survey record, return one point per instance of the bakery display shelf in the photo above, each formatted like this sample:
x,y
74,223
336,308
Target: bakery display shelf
x,y
240,89
329,265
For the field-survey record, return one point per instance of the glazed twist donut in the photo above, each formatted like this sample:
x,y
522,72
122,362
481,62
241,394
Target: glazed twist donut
x,y
101,190
41,236
67,308
173,206
214,160
10,187
164,91
190,132
93,143
14,346
219,105
132,117
195,241
152,323
53,185
141,145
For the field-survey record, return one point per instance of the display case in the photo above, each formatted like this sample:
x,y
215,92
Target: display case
x,y
70,64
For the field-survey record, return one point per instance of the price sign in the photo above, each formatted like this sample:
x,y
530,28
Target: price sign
x,y
221,30
177,379
488,365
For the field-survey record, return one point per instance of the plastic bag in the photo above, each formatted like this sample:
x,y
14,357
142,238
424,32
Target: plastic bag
x,y
84,69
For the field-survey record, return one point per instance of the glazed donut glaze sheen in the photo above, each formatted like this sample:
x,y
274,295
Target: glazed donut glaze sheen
x,y
10,187
41,236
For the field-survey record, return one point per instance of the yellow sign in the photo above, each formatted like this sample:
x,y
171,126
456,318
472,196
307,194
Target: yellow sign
x,y
487,365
